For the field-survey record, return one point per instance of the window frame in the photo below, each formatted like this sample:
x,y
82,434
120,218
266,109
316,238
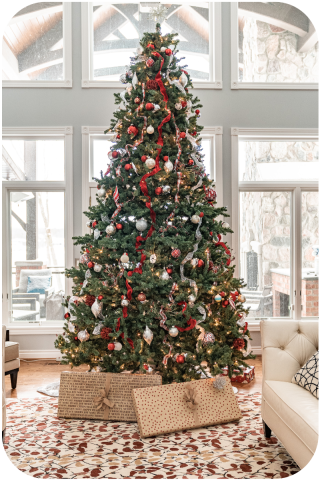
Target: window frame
x,y
235,83
294,187
67,59
214,133
66,186
215,46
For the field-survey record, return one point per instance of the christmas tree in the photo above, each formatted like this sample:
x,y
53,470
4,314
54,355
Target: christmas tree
x,y
155,291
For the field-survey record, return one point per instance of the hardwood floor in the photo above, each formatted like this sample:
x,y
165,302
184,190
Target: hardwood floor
x,y
35,374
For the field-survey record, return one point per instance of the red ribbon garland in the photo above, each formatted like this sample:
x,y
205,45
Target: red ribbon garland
x,y
225,248
122,334
159,79
191,322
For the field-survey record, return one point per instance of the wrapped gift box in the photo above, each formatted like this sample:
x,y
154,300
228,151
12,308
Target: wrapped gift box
x,y
180,406
101,396
243,375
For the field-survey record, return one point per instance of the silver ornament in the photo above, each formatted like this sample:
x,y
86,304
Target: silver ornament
x,y
123,78
168,166
195,219
165,275
84,258
88,274
191,298
110,230
148,335
129,89
156,107
150,129
208,338
150,162
178,106
124,258
101,192
225,225
97,329
173,331
96,234
163,49
241,298
88,224
183,79
194,262
83,335
153,258
97,267
71,327
219,383
117,346
96,308
166,189
134,80
141,225
96,369
124,302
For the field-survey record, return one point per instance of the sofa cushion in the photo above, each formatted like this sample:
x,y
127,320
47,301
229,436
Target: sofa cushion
x,y
297,407
308,375
38,284
25,273
11,351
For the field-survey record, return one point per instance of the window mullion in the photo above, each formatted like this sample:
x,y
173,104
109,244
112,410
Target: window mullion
x,y
296,253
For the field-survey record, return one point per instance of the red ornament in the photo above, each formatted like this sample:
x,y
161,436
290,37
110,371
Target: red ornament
x,y
194,133
115,154
150,46
94,223
201,214
210,266
128,166
165,158
90,264
149,62
110,346
222,294
132,130
169,270
200,263
87,250
137,100
118,136
145,366
89,300
176,253
119,226
184,103
144,158
148,205
225,302
130,274
183,135
105,331
67,315
152,85
141,297
168,52
211,194
100,297
158,191
236,293
190,161
197,112
149,106
180,359
239,343
76,338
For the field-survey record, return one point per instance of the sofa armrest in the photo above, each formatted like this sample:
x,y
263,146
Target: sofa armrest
x,y
286,346
36,296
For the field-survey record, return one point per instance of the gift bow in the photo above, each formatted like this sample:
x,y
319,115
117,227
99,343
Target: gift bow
x,y
103,401
193,399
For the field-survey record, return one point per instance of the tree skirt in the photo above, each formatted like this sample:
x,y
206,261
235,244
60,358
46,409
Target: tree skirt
x,y
45,446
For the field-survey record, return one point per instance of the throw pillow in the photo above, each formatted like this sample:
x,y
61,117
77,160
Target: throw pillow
x,y
308,375
38,284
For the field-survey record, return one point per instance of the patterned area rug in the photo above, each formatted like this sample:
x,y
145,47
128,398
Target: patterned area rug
x,y
45,446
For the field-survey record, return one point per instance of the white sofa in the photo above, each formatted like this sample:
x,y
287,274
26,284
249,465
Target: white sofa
x,y
288,410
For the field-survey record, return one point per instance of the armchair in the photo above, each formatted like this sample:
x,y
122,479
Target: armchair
x,y
20,293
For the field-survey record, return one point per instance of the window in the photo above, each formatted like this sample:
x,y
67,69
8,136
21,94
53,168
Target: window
x,y
95,148
37,211
36,47
275,220
111,34
274,45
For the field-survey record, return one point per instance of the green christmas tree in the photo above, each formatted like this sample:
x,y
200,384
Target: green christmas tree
x,y
155,291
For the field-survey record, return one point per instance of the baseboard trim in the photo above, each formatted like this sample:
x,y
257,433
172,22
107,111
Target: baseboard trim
x,y
256,351
41,354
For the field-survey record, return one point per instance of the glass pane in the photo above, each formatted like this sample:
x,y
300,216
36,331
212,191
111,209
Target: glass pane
x,y
278,160
118,27
100,160
310,254
32,46
206,151
32,159
277,43
37,255
265,252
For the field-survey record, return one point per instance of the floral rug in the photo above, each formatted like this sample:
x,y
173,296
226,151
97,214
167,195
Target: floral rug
x,y
45,446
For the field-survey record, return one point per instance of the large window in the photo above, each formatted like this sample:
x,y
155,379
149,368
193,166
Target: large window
x,y
37,212
36,47
275,220
274,45
95,148
111,33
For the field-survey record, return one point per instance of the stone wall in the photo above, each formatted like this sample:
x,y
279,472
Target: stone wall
x,y
269,54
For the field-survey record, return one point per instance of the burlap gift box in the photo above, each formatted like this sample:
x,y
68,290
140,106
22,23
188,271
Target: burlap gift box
x,y
101,396
180,406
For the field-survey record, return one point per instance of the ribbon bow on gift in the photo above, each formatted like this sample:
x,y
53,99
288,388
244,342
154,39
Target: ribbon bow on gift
x,y
102,401
193,399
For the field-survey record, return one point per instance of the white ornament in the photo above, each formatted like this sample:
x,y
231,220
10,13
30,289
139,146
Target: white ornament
x,y
173,331
128,186
163,49
191,298
150,162
168,166
110,230
195,219
101,192
88,224
166,189
194,262
96,308
96,234
153,258
124,302
225,225
70,327
156,107
141,224
129,89
150,129
97,329
84,258
97,267
83,336
178,106
124,258
134,80
148,335
117,346
183,79
165,275
139,50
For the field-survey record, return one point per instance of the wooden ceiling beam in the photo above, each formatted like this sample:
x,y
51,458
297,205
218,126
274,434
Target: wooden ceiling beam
x,y
36,9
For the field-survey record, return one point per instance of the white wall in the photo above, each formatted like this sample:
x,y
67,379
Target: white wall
x,y
228,108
